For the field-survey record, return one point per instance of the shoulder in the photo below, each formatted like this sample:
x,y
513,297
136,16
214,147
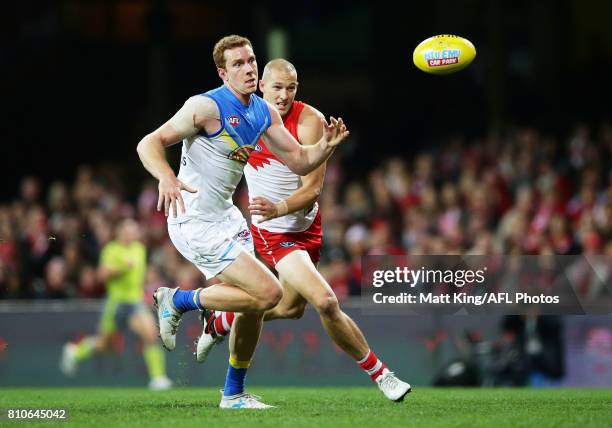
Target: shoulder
x,y
110,249
310,115
110,246
310,127
202,104
195,114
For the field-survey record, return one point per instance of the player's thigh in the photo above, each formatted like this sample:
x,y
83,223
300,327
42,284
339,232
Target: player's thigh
x,y
299,273
250,275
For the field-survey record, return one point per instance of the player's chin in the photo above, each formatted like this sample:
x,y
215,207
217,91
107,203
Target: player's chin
x,y
250,88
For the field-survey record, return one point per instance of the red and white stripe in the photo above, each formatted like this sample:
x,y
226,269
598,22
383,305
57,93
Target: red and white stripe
x,y
223,322
266,244
372,365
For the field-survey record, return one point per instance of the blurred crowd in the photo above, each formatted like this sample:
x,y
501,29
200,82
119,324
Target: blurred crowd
x,y
51,242
523,193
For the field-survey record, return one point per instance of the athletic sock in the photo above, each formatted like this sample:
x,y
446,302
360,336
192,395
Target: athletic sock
x,y
187,300
155,361
223,322
372,365
236,374
84,349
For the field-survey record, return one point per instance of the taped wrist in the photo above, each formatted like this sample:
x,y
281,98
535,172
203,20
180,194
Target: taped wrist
x,y
281,208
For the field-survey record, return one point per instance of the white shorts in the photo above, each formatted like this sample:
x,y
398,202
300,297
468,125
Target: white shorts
x,y
212,245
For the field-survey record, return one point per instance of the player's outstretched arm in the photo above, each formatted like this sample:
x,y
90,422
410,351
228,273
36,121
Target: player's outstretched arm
x,y
310,131
151,149
303,159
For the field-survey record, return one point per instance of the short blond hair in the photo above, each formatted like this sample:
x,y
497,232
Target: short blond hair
x,y
278,64
228,42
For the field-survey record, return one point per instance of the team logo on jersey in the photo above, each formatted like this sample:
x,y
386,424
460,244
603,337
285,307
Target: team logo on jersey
x,y
262,157
287,244
244,235
241,154
233,120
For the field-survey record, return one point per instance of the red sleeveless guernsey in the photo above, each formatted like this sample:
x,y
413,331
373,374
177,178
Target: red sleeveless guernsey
x,y
269,177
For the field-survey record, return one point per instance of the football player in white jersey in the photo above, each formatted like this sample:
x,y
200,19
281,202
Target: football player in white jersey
x,y
219,129
286,229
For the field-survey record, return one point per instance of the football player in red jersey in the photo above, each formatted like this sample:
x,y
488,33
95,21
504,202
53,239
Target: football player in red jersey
x,y
286,230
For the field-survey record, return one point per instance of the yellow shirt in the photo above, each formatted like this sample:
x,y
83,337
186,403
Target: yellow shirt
x,y
131,261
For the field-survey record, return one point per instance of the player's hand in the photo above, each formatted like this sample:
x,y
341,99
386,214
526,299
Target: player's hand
x,y
264,208
170,192
334,132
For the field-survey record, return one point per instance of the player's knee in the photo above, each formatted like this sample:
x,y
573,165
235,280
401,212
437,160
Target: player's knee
x,y
275,295
271,295
327,305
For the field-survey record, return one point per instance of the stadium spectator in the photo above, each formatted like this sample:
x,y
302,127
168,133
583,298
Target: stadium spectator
x,y
520,194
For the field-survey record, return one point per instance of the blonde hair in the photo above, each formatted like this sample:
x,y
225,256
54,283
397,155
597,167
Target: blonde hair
x,y
228,42
279,64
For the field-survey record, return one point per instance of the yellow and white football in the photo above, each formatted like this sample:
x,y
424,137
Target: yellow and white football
x,y
443,54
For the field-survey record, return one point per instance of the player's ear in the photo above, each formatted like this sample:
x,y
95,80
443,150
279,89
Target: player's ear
x,y
222,73
261,85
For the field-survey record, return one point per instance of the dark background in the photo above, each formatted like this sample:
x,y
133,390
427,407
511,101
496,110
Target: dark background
x,y
512,155
83,81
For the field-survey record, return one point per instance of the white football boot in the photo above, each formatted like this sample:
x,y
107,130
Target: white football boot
x,y
209,338
68,362
160,384
168,316
243,400
393,388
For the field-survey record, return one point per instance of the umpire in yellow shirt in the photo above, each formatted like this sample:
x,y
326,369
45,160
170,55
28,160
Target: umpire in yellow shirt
x,y
123,264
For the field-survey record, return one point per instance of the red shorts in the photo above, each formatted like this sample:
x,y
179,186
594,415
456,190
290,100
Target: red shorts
x,y
273,246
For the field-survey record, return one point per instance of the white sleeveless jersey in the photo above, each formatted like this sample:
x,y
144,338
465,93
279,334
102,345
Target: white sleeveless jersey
x,y
214,164
269,177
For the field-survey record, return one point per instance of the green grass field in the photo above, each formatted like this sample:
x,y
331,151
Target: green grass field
x,y
319,407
